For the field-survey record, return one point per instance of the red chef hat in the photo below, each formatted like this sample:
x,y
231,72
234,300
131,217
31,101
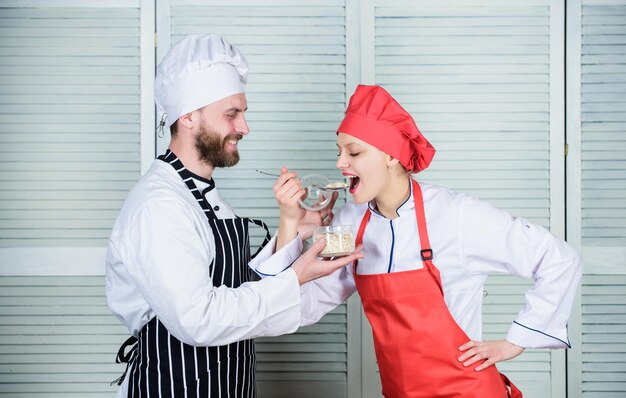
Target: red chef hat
x,y
375,117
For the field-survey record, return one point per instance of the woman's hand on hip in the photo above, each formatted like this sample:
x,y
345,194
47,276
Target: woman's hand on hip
x,y
490,352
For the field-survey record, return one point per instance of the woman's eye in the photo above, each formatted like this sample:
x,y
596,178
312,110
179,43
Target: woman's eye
x,y
350,154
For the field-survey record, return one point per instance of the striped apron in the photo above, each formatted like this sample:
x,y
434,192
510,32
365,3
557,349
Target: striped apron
x,y
163,366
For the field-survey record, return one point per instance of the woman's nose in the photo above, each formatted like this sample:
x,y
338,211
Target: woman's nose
x,y
341,162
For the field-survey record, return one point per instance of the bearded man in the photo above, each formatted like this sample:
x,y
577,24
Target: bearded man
x,y
179,273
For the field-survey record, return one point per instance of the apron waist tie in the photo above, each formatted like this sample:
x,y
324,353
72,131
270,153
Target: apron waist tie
x,y
126,358
511,390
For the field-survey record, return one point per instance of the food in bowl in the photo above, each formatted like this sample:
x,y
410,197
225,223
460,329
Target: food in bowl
x,y
339,240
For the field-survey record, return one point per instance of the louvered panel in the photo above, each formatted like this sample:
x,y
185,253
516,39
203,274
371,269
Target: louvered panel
x,y
296,89
310,363
603,122
57,338
296,99
604,336
476,78
603,196
69,111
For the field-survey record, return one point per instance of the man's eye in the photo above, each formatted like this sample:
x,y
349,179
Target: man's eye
x,y
354,154
230,116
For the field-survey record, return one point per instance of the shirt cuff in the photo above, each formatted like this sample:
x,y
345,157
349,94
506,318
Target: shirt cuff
x,y
268,263
529,337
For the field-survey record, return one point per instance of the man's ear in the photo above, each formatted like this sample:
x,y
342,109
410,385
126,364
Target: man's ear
x,y
391,161
186,120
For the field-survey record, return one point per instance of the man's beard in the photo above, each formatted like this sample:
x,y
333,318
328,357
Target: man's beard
x,y
210,147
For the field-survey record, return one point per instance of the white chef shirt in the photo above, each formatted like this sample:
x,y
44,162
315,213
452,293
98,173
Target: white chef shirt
x,y
470,240
157,264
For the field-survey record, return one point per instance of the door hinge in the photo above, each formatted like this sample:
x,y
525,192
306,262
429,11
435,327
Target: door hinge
x,y
156,39
566,149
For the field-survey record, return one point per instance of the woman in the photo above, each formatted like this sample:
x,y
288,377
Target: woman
x,y
427,254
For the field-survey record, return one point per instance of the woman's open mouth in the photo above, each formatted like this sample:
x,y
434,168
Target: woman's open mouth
x,y
354,182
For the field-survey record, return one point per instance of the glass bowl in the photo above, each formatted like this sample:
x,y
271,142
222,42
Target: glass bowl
x,y
317,196
339,240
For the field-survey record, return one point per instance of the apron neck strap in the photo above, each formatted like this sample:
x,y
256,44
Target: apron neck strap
x,y
267,238
418,200
187,177
364,221
426,252
359,235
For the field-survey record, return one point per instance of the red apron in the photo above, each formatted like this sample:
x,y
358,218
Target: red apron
x,y
415,337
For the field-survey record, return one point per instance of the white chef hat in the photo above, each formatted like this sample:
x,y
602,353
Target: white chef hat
x,y
197,71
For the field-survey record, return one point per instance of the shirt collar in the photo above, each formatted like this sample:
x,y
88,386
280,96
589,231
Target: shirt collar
x,y
405,207
204,184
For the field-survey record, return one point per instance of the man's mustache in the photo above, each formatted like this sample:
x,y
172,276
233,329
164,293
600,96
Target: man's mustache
x,y
237,137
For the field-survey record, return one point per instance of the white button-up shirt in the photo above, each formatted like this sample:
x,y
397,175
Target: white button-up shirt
x,y
470,240
157,264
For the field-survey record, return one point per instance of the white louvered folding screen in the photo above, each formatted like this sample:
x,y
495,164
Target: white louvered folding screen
x,y
58,338
296,97
69,120
604,336
603,117
476,76
70,93
603,196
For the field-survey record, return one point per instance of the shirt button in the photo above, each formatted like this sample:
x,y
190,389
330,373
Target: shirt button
x,y
216,208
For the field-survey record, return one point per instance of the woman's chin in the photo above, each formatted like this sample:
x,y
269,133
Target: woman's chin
x,y
359,200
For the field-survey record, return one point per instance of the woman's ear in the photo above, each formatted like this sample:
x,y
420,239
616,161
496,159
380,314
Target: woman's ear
x,y
391,161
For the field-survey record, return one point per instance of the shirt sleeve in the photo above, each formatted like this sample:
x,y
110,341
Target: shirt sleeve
x,y
322,295
318,297
168,258
268,263
495,242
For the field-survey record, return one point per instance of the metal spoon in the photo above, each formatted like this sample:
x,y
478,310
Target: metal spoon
x,y
323,188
